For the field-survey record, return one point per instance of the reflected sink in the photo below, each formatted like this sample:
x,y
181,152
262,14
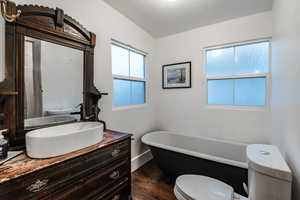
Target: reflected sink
x,y
63,139
51,120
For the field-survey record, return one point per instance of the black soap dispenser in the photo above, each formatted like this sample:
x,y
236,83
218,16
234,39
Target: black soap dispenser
x,y
3,145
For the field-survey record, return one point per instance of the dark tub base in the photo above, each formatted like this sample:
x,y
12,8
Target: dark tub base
x,y
174,164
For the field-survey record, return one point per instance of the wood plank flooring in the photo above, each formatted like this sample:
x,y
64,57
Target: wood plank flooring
x,y
149,183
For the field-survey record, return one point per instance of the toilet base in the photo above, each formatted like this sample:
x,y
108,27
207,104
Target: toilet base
x,y
188,187
180,197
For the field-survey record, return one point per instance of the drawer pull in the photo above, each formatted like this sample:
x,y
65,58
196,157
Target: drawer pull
x,y
115,175
38,185
116,197
115,153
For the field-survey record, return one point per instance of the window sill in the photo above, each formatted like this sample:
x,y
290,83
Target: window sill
x,y
238,108
128,107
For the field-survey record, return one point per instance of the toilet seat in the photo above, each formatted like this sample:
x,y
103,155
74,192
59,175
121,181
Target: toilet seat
x,y
196,187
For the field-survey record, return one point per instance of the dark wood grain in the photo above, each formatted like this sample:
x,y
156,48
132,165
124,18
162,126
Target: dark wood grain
x,y
4,93
90,173
22,164
149,183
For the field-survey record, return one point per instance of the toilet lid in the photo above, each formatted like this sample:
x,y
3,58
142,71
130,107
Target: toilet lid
x,y
203,188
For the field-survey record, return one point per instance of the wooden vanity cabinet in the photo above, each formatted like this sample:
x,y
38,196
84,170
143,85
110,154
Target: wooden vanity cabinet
x,y
100,173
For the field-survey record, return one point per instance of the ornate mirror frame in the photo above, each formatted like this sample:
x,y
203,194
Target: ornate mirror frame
x,y
50,25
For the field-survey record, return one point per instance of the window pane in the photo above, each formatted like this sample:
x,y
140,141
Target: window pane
x,y
128,92
244,59
138,92
220,62
221,92
120,61
252,58
122,92
250,92
137,65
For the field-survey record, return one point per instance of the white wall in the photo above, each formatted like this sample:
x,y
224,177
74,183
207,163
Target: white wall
x,y
107,23
286,81
185,110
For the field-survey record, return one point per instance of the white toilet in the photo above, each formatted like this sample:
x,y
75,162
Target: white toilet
x,y
269,178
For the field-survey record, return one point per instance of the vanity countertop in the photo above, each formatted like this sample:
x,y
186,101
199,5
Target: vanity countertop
x,y
22,164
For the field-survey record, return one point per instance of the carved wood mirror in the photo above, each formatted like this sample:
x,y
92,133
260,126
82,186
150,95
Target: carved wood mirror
x,y
49,64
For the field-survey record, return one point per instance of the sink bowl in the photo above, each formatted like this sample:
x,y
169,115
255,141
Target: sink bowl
x,y
63,139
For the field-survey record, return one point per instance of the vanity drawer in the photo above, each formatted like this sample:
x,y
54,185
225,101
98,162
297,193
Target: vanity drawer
x,y
96,183
108,154
47,181
121,193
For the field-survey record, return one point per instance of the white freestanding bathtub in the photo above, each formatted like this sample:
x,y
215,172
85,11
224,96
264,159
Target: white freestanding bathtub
x,y
177,155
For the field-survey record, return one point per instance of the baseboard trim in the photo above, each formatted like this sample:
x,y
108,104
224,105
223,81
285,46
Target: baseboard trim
x,y
140,160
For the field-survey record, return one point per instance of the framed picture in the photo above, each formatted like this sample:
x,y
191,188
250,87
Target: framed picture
x,y
177,75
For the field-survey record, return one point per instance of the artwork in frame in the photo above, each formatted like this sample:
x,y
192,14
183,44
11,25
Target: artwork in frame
x,y
177,75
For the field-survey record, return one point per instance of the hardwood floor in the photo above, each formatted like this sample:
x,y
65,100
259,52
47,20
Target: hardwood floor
x,y
149,183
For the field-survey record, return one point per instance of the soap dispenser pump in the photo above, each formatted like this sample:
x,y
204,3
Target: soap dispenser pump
x,y
3,145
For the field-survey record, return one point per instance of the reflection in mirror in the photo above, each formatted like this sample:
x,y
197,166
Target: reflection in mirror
x,y
53,77
2,49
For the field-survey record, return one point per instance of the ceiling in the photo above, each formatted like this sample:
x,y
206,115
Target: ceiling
x,y
165,17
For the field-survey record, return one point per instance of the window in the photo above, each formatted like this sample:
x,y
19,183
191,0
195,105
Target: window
x,y
128,69
237,75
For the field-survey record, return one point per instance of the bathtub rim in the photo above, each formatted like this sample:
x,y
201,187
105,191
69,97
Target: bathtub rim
x,y
243,165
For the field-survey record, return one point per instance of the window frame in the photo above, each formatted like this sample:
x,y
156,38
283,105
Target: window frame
x,y
267,76
129,48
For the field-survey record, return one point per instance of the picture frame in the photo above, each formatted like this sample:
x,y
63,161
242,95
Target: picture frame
x,y
177,75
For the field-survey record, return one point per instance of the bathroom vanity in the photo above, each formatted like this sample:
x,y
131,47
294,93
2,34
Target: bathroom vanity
x,y
49,70
101,171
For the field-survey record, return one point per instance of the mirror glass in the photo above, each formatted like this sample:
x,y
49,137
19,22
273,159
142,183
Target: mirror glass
x,y
2,49
53,77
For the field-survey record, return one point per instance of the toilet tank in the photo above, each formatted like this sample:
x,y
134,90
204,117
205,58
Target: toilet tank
x,y
269,177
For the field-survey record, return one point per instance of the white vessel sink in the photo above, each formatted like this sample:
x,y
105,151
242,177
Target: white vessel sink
x,y
63,139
